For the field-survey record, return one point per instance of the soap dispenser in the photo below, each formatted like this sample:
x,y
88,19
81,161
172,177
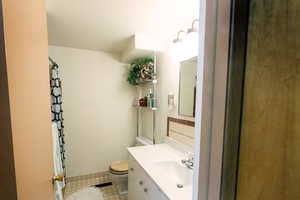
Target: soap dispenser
x,y
150,100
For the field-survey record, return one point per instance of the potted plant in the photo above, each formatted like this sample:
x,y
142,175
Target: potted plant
x,y
142,69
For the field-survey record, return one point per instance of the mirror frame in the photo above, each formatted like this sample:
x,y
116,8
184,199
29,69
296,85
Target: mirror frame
x,y
195,88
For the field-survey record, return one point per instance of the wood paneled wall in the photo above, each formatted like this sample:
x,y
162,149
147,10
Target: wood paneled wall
x,y
269,163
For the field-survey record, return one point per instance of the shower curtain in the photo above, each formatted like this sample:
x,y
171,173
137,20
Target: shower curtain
x,y
56,106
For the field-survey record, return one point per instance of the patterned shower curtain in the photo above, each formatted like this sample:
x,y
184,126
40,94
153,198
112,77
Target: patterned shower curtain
x,y
56,106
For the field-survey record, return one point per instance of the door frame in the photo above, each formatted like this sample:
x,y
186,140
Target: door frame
x,y
219,102
235,98
211,98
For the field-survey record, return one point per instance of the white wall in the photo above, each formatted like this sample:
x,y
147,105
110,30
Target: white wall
x,y
168,68
168,76
100,121
168,82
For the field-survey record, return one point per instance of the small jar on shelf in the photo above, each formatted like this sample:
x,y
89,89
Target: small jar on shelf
x,y
146,102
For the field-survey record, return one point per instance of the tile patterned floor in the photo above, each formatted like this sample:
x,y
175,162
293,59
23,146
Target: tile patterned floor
x,y
109,192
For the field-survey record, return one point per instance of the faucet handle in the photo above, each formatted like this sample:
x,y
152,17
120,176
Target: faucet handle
x,y
189,160
190,156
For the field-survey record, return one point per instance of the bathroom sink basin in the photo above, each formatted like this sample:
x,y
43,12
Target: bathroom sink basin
x,y
175,172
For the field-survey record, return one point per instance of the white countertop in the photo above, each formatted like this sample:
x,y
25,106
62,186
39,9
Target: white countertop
x,y
149,156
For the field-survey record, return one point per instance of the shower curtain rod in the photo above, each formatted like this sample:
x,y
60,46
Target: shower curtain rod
x,y
52,61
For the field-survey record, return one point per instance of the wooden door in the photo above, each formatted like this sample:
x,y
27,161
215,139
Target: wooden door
x,y
26,70
269,158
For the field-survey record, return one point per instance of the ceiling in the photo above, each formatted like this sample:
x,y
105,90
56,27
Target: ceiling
x,y
107,25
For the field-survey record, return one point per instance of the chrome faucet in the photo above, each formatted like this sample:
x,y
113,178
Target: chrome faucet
x,y
189,161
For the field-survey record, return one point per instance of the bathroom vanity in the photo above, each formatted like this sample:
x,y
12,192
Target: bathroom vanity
x,y
163,171
156,173
140,184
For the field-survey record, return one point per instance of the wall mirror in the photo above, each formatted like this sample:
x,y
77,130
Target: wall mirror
x,y
187,87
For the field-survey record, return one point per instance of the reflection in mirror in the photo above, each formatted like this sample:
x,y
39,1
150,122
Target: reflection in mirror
x,y
187,87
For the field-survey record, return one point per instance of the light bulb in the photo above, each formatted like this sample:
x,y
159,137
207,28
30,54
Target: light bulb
x,y
191,45
177,50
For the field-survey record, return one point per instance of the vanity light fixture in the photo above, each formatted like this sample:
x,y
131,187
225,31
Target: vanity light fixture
x,y
191,41
185,45
194,27
177,45
179,37
181,34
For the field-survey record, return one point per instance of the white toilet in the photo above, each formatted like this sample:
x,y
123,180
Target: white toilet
x,y
119,175
119,169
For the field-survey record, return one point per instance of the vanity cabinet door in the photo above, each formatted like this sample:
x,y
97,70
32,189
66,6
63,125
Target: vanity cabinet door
x,y
154,193
140,185
135,181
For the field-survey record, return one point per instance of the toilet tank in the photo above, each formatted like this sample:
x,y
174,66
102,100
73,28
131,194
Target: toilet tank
x,y
142,141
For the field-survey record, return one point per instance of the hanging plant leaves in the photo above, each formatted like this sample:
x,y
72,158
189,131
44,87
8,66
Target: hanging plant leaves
x,y
141,69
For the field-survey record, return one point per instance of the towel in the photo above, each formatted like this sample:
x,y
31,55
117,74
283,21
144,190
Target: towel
x,y
58,169
90,193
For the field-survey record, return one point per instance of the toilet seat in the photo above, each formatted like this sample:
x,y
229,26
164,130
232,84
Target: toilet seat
x,y
119,168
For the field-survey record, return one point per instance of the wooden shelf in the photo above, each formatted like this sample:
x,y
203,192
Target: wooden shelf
x,y
144,107
147,82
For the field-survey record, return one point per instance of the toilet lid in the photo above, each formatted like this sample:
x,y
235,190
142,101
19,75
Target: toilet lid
x,y
119,166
